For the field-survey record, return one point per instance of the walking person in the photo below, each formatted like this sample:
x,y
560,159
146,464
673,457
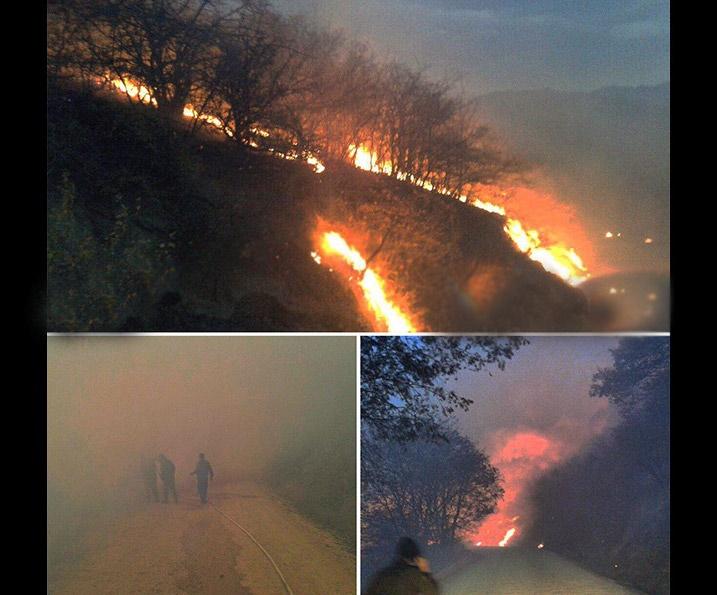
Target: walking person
x,y
166,474
204,473
148,471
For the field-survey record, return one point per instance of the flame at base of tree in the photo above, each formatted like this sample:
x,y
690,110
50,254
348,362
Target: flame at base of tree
x,y
556,258
138,92
387,315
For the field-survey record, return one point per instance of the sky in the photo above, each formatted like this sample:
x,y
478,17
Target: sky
x,y
499,45
534,414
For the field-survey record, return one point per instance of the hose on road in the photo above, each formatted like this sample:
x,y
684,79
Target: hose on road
x,y
261,547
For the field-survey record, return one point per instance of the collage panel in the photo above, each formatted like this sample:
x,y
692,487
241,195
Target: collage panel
x,y
512,465
298,167
197,465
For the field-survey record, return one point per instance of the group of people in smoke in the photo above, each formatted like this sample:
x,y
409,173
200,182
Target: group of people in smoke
x,y
165,469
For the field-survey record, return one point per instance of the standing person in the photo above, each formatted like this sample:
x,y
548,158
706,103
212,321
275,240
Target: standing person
x,y
148,471
204,473
408,575
166,474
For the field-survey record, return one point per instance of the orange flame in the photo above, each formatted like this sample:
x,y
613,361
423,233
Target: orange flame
x,y
138,92
134,90
555,258
506,538
373,286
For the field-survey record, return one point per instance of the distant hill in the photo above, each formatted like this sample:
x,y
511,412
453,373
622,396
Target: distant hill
x,y
606,152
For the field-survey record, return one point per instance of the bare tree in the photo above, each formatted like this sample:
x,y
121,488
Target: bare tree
x,y
168,46
263,77
434,491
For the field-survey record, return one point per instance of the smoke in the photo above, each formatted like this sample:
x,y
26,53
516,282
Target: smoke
x,y
247,402
532,416
606,154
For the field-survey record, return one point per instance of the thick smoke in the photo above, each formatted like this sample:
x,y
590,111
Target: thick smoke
x,y
249,403
533,415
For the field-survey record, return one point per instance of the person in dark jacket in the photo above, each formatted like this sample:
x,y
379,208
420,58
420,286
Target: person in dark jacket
x,y
166,474
148,470
204,473
408,575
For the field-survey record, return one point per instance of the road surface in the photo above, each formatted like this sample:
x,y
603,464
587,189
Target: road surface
x,y
522,571
187,548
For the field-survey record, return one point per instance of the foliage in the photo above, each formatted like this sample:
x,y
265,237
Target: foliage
x,y
96,283
640,373
434,491
609,507
403,395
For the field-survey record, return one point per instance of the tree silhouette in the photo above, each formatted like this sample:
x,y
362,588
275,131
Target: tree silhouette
x,y
434,491
403,395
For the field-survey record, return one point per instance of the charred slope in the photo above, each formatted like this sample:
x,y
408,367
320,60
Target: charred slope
x,y
155,230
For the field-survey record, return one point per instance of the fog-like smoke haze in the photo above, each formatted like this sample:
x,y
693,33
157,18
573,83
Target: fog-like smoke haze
x,y
533,415
247,402
578,92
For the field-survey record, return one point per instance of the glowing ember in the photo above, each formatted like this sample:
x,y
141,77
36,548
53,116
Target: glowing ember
x,y
541,546
648,240
387,314
608,234
555,258
506,539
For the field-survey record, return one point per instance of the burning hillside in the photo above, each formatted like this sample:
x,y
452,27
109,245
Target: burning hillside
x,y
552,253
385,312
410,262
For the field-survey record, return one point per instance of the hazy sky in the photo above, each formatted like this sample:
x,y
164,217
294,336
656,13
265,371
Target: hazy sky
x,y
512,44
544,388
241,400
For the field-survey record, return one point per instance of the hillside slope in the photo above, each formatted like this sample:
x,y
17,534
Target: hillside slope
x,y
151,229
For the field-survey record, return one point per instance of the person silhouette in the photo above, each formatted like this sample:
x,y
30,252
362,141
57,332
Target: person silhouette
x,y
204,473
166,474
409,574
148,471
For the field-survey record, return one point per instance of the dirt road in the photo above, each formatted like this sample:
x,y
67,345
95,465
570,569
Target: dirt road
x,y
519,571
189,548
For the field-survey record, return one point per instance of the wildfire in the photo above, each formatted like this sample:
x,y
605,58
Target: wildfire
x,y
520,457
387,314
506,538
138,92
134,90
555,258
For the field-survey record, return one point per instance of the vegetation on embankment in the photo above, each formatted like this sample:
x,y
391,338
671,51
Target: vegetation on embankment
x,y
608,508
